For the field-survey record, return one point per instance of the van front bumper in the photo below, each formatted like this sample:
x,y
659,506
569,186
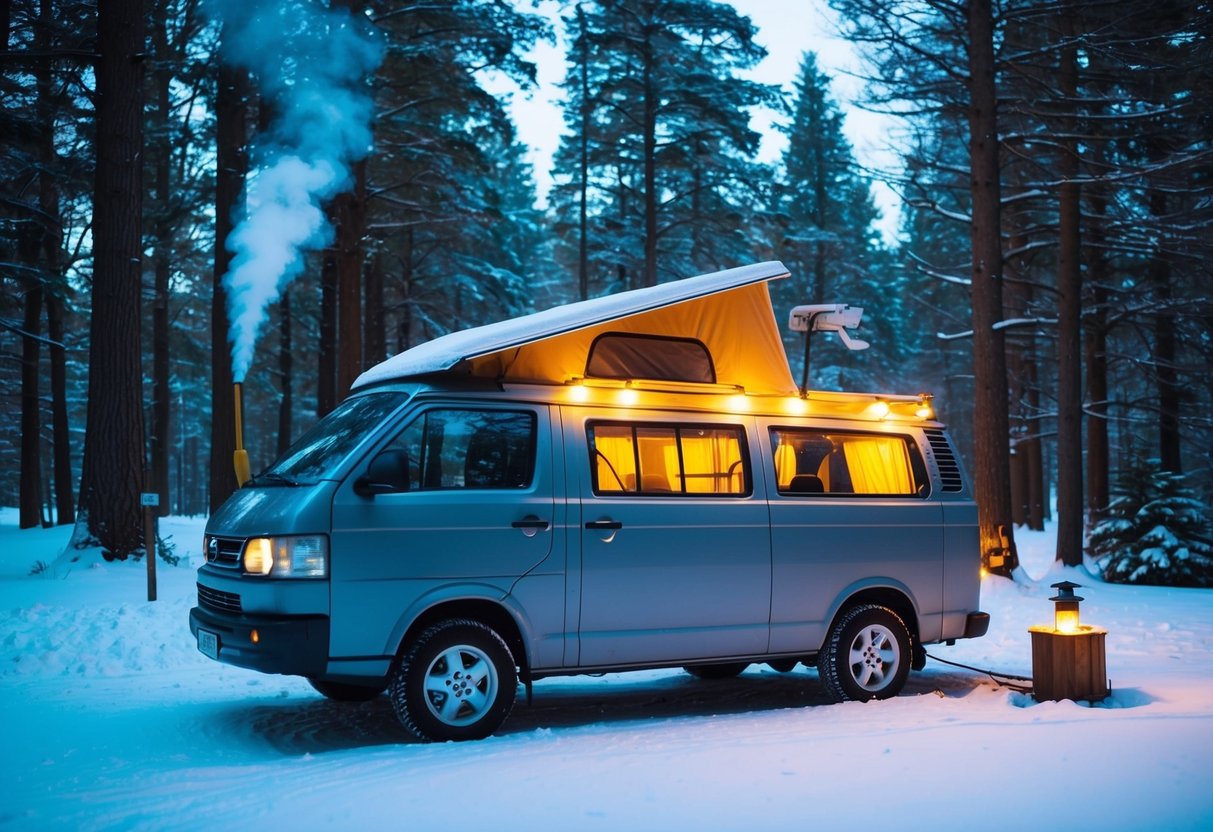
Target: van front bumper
x,y
296,645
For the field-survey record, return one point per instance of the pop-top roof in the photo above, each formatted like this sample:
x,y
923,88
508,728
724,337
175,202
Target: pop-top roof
x,y
728,311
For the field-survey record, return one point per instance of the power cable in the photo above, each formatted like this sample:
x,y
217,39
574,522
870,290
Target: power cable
x,y
994,675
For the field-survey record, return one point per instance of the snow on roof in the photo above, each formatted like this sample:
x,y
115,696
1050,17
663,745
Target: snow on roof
x,y
736,324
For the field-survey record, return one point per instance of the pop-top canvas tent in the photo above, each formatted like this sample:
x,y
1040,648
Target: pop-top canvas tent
x,y
716,327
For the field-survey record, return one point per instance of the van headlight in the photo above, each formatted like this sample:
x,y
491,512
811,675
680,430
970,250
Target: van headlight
x,y
305,556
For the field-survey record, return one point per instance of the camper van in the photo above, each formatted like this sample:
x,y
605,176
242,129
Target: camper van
x,y
634,481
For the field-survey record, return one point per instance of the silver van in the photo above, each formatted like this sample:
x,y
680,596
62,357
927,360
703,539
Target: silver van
x,y
617,484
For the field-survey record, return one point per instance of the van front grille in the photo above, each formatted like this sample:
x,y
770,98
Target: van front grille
x,y
224,551
219,600
945,459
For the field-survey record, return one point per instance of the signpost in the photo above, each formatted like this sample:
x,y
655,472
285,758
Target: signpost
x,y
150,502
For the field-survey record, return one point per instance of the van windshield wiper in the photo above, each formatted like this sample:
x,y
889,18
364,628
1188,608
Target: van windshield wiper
x,y
277,479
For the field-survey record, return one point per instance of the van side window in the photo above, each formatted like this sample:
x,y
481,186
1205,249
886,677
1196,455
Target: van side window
x,y
469,449
839,462
668,459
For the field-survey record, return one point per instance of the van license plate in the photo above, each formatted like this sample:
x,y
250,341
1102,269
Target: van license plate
x,y
208,644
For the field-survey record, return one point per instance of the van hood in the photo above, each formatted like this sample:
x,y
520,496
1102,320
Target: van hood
x,y
266,510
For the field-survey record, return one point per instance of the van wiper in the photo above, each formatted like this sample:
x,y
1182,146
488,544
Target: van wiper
x,y
278,479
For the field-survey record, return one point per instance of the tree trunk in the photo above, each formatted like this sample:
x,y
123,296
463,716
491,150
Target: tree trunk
x,y
231,117
992,480
30,501
1070,507
161,256
65,509
374,330
1096,360
404,332
326,358
649,128
583,243
1164,349
349,213
55,289
113,442
286,371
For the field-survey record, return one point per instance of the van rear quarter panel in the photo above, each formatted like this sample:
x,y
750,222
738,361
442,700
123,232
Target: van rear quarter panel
x,y
962,566
826,548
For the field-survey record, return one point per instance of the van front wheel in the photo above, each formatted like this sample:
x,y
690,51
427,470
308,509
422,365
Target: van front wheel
x,y
456,681
866,655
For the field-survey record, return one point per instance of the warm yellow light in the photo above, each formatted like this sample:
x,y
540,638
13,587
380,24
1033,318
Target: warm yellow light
x,y
796,406
579,393
628,397
879,410
1065,620
259,556
739,402
254,637
925,412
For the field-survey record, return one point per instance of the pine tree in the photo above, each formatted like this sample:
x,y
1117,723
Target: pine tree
x,y
824,232
448,195
1155,531
665,168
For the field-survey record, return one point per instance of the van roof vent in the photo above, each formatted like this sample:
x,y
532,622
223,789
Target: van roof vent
x,y
949,469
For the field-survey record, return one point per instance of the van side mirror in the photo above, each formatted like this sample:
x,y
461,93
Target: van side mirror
x,y
388,473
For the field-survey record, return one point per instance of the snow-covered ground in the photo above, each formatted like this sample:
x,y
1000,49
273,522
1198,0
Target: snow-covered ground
x,y
113,720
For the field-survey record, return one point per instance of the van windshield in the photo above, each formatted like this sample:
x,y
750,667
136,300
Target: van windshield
x,y
317,454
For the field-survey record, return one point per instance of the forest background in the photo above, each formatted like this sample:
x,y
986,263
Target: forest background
x,y
1048,279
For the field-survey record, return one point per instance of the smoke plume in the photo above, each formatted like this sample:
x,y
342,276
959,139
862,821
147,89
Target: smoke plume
x,y
310,63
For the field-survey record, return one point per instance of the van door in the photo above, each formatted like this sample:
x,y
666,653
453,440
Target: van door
x,y
675,541
850,508
475,514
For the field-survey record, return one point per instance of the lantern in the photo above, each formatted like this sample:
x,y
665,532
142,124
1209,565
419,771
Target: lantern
x,y
1068,659
1065,607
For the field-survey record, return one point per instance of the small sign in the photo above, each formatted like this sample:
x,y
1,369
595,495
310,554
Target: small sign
x,y
146,499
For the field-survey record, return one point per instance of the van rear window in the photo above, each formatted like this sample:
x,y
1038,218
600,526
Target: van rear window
x,y
659,460
840,462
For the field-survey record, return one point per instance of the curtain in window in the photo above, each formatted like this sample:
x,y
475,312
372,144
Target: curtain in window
x,y
785,465
879,465
615,459
712,460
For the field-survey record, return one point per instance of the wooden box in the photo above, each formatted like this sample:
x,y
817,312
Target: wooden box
x,y
1069,665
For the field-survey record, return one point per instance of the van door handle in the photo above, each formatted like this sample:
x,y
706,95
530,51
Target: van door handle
x,y
531,525
604,524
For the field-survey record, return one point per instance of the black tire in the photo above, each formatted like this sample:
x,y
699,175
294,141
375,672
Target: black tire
x,y
866,656
342,692
455,681
716,671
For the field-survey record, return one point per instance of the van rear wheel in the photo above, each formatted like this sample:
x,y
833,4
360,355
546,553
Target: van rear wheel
x,y
456,681
866,655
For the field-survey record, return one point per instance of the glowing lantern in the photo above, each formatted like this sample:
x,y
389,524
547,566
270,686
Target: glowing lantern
x,y
1065,607
1069,658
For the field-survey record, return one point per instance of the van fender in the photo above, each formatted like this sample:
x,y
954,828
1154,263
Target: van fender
x,y
888,592
489,603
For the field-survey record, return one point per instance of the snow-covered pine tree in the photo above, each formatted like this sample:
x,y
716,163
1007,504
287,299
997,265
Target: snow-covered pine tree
x,y
1155,531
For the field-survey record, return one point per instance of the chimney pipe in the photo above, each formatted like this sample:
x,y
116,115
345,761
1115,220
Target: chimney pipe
x,y
240,457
